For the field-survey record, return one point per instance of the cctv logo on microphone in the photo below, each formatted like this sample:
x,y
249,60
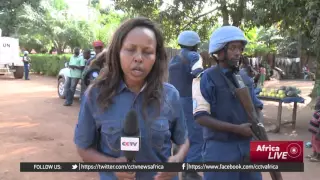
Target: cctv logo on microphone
x,y
130,144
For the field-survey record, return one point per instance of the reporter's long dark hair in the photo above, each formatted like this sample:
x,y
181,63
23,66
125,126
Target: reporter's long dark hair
x,y
109,79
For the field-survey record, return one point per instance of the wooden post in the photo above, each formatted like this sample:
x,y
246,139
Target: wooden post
x,y
279,117
294,115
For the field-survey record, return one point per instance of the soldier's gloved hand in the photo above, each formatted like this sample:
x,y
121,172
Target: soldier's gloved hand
x,y
244,130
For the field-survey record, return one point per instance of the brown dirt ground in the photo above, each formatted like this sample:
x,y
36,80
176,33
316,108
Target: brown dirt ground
x,y
35,127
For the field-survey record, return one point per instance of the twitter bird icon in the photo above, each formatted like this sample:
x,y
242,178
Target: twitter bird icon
x,y
74,166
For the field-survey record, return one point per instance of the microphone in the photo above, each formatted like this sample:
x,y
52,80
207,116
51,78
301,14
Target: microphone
x,y
130,139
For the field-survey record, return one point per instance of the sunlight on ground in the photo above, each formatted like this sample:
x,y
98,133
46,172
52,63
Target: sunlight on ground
x,y
9,117
20,152
18,125
35,89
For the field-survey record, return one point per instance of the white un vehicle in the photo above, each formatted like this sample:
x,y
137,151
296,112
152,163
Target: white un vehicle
x,y
10,60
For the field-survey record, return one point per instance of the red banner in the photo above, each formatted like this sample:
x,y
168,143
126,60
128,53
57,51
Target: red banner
x,y
276,151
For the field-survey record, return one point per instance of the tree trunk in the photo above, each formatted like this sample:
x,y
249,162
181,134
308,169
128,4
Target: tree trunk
x,y
299,55
236,23
224,12
5,33
237,16
316,88
60,49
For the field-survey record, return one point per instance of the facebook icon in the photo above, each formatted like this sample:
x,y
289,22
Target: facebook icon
x,y
183,166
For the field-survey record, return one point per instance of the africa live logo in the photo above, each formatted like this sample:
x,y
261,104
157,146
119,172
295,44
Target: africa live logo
x,y
276,151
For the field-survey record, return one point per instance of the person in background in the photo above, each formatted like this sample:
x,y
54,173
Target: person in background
x,y
314,128
26,62
76,65
86,54
92,71
227,132
98,47
263,73
246,67
181,76
248,74
86,57
133,79
305,71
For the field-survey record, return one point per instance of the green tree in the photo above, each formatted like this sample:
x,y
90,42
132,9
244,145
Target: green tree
x,y
107,22
190,14
9,12
55,25
173,18
299,18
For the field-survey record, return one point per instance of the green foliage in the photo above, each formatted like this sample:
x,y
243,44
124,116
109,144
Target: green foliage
x,y
197,15
41,25
299,18
260,41
292,18
52,24
48,64
9,12
173,18
106,24
59,5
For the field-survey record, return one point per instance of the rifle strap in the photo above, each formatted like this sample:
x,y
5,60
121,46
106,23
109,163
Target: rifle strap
x,y
231,85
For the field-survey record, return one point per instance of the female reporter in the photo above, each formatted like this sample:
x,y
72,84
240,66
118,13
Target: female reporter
x,y
132,78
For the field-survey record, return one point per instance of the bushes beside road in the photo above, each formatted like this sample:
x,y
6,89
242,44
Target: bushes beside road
x,y
48,64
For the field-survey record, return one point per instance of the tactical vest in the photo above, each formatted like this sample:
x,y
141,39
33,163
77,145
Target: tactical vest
x,y
226,107
180,75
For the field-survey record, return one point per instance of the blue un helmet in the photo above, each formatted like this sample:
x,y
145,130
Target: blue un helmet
x,y
223,35
188,38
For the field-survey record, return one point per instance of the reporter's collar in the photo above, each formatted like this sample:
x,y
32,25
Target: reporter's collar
x,y
123,86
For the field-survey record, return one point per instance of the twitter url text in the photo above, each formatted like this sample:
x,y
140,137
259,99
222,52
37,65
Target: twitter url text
x,y
121,167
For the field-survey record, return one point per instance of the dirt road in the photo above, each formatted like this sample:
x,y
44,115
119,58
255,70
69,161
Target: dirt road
x,y
35,127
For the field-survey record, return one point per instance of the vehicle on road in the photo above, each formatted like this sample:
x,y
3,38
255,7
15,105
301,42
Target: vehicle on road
x,y
10,60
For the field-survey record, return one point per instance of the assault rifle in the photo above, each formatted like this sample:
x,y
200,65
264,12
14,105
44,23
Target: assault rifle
x,y
257,127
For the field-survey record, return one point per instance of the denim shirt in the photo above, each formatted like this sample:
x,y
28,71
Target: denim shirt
x,y
213,97
156,133
180,72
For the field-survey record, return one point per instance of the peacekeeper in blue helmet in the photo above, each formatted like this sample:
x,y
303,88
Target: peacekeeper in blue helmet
x,y
92,71
181,75
227,133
